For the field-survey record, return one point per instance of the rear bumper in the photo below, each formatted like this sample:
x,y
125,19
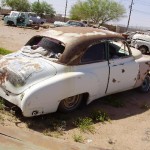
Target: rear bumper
x,y
12,98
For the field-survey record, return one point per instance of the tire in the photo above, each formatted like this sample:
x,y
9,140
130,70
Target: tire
x,y
143,49
71,103
10,23
145,87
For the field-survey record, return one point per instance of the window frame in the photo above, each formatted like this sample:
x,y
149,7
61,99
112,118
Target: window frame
x,y
96,61
125,43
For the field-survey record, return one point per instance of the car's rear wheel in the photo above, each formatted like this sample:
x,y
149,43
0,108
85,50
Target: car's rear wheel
x,y
70,103
145,87
143,49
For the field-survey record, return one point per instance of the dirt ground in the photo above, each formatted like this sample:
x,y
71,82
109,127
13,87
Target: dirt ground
x,y
13,38
129,125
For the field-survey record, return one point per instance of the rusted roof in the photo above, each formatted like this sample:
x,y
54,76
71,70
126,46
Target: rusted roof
x,y
77,39
68,34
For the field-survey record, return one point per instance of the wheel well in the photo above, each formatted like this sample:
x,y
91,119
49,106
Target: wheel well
x,y
144,47
84,100
8,22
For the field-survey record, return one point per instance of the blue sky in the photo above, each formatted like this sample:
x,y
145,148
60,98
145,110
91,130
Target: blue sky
x,y
140,14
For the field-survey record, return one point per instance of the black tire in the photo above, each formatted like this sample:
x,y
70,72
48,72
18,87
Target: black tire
x,y
145,87
143,49
71,103
10,23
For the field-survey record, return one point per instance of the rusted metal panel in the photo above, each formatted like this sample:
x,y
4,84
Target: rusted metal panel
x,y
77,39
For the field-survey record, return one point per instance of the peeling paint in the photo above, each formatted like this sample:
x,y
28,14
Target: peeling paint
x,y
3,76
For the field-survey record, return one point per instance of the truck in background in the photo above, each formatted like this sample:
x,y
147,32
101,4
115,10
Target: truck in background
x,y
23,19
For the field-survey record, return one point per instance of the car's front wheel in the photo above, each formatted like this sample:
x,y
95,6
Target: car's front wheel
x,y
70,103
145,87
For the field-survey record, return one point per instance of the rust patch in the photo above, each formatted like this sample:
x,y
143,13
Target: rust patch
x,y
113,80
15,80
3,76
123,70
36,66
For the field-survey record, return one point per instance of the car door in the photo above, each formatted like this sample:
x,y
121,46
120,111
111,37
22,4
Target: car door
x,y
122,66
95,67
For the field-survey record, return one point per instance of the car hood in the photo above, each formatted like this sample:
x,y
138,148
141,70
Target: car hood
x,y
18,71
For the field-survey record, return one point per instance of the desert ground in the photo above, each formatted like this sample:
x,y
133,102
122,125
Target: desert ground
x,y
128,126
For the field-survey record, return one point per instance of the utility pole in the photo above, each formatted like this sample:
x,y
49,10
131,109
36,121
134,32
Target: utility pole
x,y
65,10
129,14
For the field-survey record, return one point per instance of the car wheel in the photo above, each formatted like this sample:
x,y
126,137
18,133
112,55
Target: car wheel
x,y
143,49
10,23
70,103
145,87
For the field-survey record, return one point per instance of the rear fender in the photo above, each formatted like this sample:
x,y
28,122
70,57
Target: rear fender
x,y
45,96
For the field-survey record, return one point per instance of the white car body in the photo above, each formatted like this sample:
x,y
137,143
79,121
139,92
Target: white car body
x,y
141,41
37,84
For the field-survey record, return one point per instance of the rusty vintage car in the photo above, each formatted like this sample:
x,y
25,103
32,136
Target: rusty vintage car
x,y
67,66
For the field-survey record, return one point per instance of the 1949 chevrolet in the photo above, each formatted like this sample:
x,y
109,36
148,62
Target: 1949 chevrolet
x,y
66,66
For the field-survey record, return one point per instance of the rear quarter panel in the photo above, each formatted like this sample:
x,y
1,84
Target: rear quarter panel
x,y
46,96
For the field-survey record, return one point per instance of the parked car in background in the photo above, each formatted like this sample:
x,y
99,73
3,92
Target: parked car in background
x,y
141,42
23,19
65,67
18,18
36,19
69,23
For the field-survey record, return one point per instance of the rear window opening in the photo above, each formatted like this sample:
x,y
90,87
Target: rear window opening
x,y
45,46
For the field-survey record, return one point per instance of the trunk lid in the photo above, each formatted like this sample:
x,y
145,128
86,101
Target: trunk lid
x,y
18,72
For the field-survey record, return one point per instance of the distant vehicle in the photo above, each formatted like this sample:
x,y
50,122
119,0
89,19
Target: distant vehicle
x,y
36,19
18,19
69,23
23,19
141,42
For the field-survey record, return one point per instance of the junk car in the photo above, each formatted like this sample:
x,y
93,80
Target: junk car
x,y
67,66
141,42
69,23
